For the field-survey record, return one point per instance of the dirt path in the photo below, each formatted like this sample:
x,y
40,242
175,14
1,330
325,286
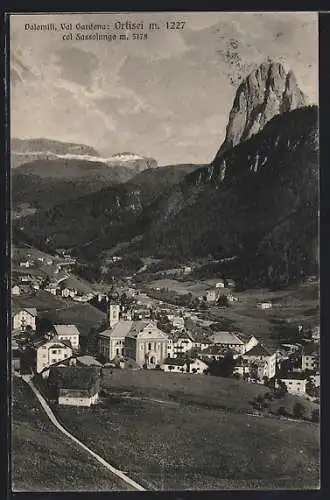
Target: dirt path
x,y
52,418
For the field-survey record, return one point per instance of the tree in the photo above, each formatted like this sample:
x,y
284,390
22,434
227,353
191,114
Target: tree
x,y
224,367
281,389
223,301
298,410
316,415
281,411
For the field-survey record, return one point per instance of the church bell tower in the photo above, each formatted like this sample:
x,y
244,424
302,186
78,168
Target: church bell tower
x,y
113,308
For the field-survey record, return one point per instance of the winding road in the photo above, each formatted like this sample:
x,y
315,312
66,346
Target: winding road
x,y
121,475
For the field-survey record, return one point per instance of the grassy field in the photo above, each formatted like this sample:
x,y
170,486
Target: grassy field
x,y
42,458
169,446
205,391
184,388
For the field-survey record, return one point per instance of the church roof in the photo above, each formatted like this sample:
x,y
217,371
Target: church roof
x,y
120,330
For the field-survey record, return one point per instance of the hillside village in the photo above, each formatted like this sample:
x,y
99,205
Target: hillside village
x,y
135,331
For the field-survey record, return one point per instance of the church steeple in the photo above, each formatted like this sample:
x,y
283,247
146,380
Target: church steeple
x,y
113,307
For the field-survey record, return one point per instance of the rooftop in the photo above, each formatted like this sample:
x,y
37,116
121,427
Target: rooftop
x,y
226,338
175,361
66,330
73,377
88,361
258,350
311,350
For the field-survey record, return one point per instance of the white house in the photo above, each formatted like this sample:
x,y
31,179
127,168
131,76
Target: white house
x,y
178,344
197,366
262,360
220,284
315,332
264,305
68,332
25,318
310,358
15,290
174,365
25,264
51,352
295,383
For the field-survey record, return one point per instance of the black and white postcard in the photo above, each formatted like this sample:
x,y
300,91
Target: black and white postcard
x,y
165,330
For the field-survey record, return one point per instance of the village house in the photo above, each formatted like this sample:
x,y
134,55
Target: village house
x,y
315,334
51,352
53,288
140,312
295,383
197,366
310,357
25,263
75,385
262,360
179,343
25,318
174,365
229,341
220,284
211,295
67,332
15,290
212,353
68,292
177,321
264,305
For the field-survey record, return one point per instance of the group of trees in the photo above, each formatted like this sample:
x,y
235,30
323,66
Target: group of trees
x,y
224,367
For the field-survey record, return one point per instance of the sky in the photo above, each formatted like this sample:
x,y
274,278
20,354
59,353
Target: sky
x,y
167,97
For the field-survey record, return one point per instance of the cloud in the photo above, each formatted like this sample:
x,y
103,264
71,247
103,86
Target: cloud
x,y
168,96
77,65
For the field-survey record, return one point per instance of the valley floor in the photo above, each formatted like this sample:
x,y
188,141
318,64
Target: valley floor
x,y
191,442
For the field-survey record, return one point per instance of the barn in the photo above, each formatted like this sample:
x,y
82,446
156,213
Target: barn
x,y
74,385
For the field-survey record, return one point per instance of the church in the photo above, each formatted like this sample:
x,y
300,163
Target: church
x,y
141,341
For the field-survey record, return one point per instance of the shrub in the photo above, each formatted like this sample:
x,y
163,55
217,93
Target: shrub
x,y
316,415
298,410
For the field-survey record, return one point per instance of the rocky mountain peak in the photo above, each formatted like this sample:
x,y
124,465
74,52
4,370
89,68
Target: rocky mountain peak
x,y
267,91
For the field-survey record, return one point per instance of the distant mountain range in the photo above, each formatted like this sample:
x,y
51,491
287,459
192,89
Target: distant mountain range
x,y
258,199
46,172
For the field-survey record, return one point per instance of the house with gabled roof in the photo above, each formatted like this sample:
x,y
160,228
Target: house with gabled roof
x,y
263,359
175,365
74,385
24,318
51,352
67,332
310,358
228,340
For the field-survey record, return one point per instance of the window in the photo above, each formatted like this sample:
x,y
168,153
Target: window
x,y
149,346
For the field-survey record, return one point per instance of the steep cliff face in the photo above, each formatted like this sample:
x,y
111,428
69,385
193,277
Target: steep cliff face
x,y
268,91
